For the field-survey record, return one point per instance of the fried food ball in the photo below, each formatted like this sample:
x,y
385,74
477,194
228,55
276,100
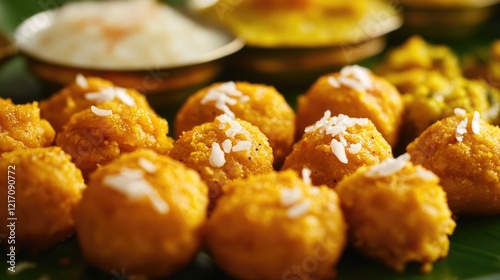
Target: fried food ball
x,y
416,53
21,127
83,93
356,92
257,104
45,187
464,151
143,212
97,135
224,150
277,226
431,97
397,213
336,146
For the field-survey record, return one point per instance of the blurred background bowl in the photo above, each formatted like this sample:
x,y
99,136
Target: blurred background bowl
x,y
164,85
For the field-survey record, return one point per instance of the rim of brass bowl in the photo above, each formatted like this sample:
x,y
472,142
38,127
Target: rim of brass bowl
x,y
291,66
445,23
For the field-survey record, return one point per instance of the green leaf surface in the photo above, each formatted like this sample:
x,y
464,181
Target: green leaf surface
x,y
475,245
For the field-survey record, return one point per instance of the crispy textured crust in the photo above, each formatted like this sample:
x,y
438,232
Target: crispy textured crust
x,y
251,236
397,219
94,140
47,188
21,127
266,108
117,233
382,105
314,152
59,108
193,148
469,170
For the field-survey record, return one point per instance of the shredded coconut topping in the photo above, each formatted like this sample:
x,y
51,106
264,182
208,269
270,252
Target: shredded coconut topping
x,y
459,112
147,165
299,209
100,112
131,183
306,175
110,93
81,81
388,167
314,190
337,127
461,129
476,128
216,157
290,196
225,95
354,77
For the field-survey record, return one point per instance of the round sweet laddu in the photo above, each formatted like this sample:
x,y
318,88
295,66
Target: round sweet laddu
x,y
99,134
397,213
42,188
277,226
21,127
142,213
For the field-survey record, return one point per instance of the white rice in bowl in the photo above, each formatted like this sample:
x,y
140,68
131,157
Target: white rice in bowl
x,y
122,35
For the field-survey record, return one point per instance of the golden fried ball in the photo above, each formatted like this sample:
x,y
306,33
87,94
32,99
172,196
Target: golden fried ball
x,y
258,104
431,97
45,187
416,53
224,150
142,213
83,93
356,92
336,146
276,226
22,128
97,135
464,151
397,213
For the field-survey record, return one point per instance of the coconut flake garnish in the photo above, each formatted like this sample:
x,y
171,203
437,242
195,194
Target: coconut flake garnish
x,y
234,126
354,77
337,127
459,112
242,146
306,175
224,95
476,128
298,210
216,158
110,93
100,112
147,165
290,196
461,129
226,146
124,97
81,81
131,183
388,167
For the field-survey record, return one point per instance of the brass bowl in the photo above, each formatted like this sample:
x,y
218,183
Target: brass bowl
x,y
166,85
289,67
446,22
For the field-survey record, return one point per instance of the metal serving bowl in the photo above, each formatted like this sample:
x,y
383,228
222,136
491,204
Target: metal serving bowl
x,y
165,85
